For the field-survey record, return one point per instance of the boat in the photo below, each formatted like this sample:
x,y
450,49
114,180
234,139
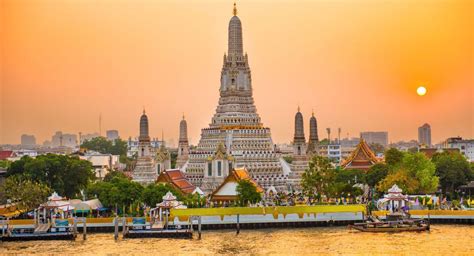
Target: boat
x,y
397,220
392,226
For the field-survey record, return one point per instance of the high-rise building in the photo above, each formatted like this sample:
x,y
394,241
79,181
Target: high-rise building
x,y
28,140
60,139
424,135
183,144
236,136
145,171
112,134
375,138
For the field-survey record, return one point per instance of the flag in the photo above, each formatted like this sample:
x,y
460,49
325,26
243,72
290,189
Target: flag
x,y
424,199
430,202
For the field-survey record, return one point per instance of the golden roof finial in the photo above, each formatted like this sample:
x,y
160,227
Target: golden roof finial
x,y
312,110
298,108
143,109
183,115
235,9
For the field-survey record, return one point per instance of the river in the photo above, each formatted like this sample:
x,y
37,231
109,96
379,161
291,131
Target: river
x,y
441,240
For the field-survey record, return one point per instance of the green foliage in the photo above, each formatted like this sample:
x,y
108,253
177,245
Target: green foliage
x,y
173,158
345,180
453,170
288,159
376,173
112,174
415,174
26,193
104,146
324,142
118,192
153,193
393,157
318,178
194,200
376,148
5,163
247,193
64,174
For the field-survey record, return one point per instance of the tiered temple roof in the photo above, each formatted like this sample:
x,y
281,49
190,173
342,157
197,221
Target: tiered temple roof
x,y
176,179
227,190
362,158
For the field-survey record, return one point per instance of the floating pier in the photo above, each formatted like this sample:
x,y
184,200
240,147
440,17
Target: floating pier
x,y
140,228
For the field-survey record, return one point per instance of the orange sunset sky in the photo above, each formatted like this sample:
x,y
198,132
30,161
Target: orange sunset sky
x,y
357,63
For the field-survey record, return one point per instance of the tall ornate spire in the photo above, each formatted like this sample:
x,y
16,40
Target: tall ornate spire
x,y
235,9
235,35
183,131
144,126
299,129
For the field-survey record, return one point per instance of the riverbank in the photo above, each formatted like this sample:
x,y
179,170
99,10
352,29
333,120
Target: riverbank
x,y
441,240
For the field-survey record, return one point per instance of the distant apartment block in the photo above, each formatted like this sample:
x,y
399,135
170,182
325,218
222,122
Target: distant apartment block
x,y
466,147
424,135
60,139
89,136
28,140
375,138
112,134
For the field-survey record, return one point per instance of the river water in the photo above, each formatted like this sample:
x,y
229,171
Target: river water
x,y
441,240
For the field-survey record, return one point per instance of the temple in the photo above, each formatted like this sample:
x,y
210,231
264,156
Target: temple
x,y
183,144
362,158
145,170
176,178
236,136
300,157
227,190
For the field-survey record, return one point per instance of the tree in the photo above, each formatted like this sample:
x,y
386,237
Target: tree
x,y
344,181
319,176
153,193
393,157
415,173
120,192
453,170
377,148
402,179
247,193
173,158
26,193
376,173
110,175
104,146
64,174
4,163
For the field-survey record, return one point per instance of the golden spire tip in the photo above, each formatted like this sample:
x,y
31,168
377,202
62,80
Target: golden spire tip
x,y
235,9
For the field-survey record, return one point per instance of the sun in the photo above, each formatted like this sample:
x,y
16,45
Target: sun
x,y
421,90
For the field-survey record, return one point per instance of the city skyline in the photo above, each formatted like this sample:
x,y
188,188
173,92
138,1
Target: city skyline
x,y
339,69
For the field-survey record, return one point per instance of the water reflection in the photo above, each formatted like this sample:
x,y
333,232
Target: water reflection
x,y
441,240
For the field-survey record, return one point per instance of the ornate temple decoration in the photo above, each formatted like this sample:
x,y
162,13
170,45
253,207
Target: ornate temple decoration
x,y
299,141
163,159
183,144
144,171
237,126
226,191
362,158
176,178
313,136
